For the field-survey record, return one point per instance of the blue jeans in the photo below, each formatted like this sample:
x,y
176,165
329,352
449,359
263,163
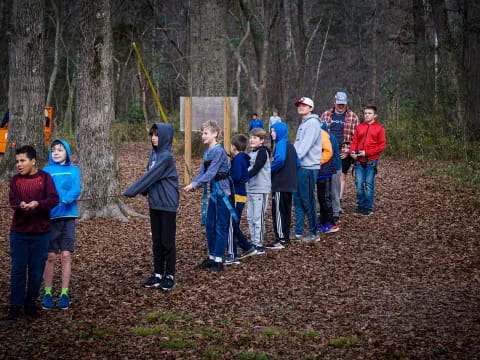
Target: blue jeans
x,y
239,238
218,227
365,183
304,201
28,254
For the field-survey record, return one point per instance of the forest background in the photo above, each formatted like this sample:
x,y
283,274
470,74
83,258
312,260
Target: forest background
x,y
417,60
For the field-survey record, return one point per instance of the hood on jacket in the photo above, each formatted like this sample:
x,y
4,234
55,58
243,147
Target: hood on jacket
x,y
67,149
281,130
324,126
243,155
165,136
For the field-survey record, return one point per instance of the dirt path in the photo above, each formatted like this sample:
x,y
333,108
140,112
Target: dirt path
x,y
402,284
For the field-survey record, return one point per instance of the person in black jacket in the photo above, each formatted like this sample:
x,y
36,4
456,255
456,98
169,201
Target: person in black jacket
x,y
160,184
284,184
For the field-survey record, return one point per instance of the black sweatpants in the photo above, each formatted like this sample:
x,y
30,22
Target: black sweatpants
x,y
163,225
324,191
282,214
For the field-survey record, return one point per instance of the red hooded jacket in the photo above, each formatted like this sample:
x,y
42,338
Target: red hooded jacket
x,y
371,138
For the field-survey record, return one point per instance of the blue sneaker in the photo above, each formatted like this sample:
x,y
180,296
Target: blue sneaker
x,y
47,302
64,302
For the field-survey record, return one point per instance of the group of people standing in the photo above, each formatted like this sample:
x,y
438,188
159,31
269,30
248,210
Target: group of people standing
x,y
45,205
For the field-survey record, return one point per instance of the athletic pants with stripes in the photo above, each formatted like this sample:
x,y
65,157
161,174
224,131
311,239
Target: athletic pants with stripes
x,y
282,214
256,209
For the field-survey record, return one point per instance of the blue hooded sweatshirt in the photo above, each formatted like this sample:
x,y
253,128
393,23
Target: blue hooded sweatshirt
x,y
239,172
160,182
67,182
335,163
285,161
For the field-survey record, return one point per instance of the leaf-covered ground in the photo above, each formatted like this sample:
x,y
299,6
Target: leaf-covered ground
x,y
402,284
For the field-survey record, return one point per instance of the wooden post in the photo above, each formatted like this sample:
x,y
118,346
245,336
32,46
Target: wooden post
x,y
227,129
188,139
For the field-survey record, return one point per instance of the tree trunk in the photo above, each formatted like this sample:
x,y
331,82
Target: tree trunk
x,y
290,58
472,70
208,48
373,82
95,113
423,78
58,32
27,85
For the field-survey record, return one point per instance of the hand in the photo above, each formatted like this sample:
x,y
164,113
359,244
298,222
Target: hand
x,y
31,205
353,155
361,153
189,188
343,155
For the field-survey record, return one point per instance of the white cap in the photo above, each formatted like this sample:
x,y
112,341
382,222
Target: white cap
x,y
305,101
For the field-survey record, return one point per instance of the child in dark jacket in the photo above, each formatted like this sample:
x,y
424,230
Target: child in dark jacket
x,y
327,222
160,184
284,183
239,174
32,195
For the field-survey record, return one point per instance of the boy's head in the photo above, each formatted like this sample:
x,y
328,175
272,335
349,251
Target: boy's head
x,y
211,133
254,116
58,152
26,160
304,106
239,143
370,113
153,133
257,137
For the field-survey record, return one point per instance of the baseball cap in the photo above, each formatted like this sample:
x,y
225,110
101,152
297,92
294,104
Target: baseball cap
x,y
340,98
305,101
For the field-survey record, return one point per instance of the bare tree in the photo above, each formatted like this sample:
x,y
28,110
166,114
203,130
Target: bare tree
x,y
26,79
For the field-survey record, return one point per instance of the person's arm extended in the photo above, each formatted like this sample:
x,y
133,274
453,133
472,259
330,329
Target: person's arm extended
x,y
260,160
151,176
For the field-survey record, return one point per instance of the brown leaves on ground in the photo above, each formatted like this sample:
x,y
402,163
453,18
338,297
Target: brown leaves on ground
x,y
401,284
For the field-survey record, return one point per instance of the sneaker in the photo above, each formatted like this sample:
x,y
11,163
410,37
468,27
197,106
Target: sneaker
x,y
260,250
231,261
205,264
167,283
294,236
153,281
215,266
330,228
14,313
367,212
359,212
311,238
31,312
64,302
275,245
336,219
47,302
249,252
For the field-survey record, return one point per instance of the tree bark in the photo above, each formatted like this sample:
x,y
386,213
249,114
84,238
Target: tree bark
x,y
58,32
208,48
95,113
26,82
472,70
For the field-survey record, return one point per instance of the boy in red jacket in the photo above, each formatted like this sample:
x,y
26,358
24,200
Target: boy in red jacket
x,y
367,144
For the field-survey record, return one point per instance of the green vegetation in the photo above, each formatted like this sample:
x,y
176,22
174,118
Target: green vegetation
x,y
177,345
344,342
308,334
252,356
273,332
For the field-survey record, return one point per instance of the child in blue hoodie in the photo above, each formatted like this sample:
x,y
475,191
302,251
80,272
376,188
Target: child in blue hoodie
x,y
239,174
327,223
68,184
160,184
284,183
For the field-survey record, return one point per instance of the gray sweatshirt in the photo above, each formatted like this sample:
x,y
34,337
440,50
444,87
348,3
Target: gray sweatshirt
x,y
259,172
308,142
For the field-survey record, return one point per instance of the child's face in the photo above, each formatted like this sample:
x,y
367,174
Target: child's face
x,y
59,154
304,110
273,133
25,166
369,115
233,149
155,139
256,142
209,137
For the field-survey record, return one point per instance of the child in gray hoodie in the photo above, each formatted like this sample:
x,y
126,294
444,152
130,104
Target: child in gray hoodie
x,y
259,187
160,184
